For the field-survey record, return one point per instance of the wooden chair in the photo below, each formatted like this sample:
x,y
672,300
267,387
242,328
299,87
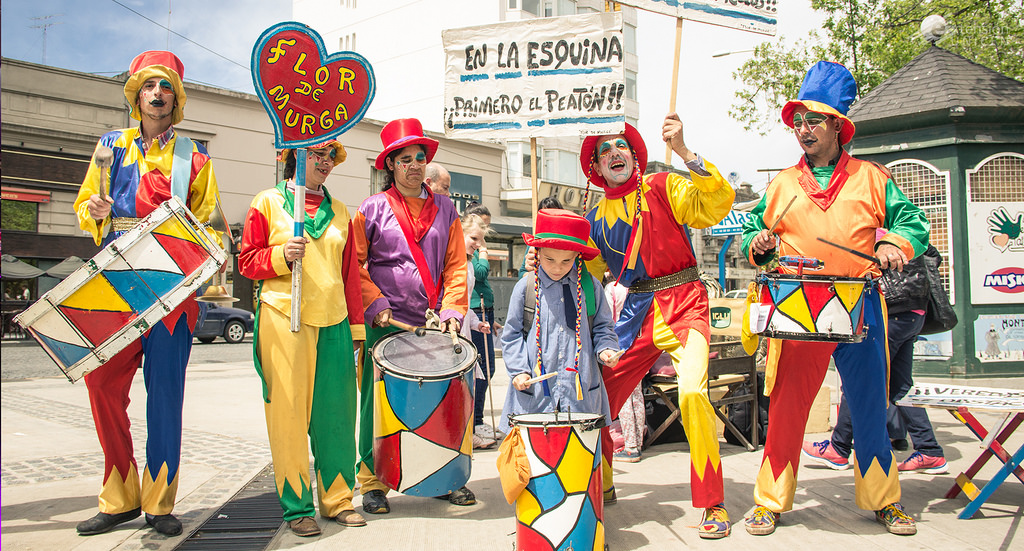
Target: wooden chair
x,y
730,368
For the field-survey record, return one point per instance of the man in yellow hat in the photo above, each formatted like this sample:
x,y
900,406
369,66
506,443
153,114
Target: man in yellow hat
x,y
843,200
151,163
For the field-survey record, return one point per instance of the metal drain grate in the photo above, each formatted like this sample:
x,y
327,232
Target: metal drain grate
x,y
249,520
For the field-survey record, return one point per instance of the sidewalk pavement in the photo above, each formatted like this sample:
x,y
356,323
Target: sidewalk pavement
x,y
52,468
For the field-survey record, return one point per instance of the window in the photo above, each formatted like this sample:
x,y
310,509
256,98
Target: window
x,y
532,6
630,84
561,167
377,180
19,215
519,159
549,8
465,189
629,38
513,4
928,188
566,7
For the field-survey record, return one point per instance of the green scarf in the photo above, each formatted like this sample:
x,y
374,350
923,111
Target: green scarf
x,y
315,225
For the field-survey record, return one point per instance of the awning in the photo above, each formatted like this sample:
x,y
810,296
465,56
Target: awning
x,y
12,268
511,225
66,267
23,194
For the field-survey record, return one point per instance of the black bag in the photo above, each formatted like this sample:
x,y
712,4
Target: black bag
x,y
739,413
939,315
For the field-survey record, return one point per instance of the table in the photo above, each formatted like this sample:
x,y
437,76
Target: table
x,y
960,401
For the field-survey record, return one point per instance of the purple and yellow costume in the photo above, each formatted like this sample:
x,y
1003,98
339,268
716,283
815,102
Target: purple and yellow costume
x,y
391,279
139,182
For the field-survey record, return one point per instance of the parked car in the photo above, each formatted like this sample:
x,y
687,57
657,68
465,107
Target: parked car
x,y
736,293
225,321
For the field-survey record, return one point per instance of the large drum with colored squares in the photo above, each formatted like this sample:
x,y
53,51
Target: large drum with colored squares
x,y
423,412
562,506
810,307
115,297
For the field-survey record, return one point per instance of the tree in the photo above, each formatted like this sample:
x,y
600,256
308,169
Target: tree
x,y
874,38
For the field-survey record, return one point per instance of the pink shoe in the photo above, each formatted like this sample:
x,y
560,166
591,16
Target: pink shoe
x,y
823,453
924,463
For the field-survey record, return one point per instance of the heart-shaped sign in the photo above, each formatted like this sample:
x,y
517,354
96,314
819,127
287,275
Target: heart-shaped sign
x,y
311,97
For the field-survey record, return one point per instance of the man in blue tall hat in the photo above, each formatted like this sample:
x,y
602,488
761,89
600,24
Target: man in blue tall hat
x,y
845,201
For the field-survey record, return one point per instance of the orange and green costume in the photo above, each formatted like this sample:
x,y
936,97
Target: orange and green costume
x,y
844,203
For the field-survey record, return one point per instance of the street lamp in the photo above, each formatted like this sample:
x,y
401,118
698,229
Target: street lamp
x,y
723,53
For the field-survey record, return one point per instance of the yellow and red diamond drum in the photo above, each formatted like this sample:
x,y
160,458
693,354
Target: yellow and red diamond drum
x,y
811,307
423,412
562,506
115,297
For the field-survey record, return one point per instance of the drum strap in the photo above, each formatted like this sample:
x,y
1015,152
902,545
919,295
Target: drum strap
x,y
181,167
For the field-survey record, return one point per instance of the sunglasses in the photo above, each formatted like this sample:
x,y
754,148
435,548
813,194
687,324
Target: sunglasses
x,y
810,118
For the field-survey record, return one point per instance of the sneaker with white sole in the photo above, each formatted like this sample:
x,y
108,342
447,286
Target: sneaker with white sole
x,y
485,431
928,464
895,520
824,454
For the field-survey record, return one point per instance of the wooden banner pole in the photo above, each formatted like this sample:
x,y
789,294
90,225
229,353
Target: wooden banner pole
x,y
675,83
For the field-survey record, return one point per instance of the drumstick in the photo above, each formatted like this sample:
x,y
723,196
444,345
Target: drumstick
x,y
104,158
419,331
489,375
455,340
784,211
540,378
851,251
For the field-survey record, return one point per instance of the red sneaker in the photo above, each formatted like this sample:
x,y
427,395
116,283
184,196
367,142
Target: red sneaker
x,y
924,463
823,453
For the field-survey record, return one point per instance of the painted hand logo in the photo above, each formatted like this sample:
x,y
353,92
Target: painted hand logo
x,y
1004,229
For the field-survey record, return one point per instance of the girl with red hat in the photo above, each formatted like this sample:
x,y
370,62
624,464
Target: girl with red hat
x,y
410,245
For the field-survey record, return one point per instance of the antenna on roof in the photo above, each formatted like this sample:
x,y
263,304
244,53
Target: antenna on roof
x,y
45,24
933,28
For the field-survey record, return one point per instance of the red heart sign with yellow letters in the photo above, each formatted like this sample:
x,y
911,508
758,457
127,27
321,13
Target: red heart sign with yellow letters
x,y
311,97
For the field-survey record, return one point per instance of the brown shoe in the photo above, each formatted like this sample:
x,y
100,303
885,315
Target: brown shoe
x,y
304,527
350,518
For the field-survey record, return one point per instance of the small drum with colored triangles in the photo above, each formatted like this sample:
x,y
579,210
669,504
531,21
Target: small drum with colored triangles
x,y
810,307
116,296
423,412
562,506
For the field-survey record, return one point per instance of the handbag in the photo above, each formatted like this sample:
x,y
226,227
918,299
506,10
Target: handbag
x,y
939,315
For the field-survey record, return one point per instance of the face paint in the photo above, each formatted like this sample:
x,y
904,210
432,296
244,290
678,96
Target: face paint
x,y
407,162
618,144
165,86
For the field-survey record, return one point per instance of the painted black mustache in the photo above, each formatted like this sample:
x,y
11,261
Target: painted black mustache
x,y
158,103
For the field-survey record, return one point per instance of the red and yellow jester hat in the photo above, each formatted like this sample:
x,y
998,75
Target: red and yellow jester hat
x,y
587,155
156,63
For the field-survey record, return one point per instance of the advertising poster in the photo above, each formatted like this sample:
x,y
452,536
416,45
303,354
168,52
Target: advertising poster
x,y
999,338
952,397
996,233
544,77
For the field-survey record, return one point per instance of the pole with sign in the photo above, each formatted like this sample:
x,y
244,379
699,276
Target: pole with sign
x,y
311,98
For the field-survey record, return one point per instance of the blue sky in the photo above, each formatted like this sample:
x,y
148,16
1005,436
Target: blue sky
x,y
102,36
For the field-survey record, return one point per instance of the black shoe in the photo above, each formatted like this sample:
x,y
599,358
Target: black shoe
x,y
900,444
462,497
103,522
375,502
165,524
